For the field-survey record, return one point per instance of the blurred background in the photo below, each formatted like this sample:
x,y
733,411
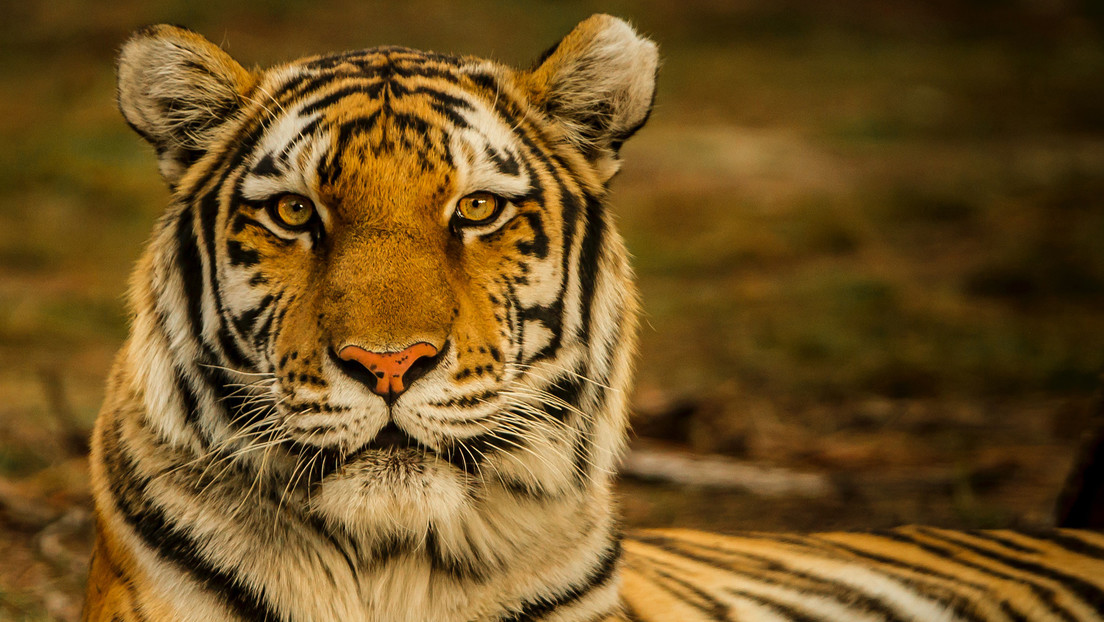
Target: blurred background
x,y
869,236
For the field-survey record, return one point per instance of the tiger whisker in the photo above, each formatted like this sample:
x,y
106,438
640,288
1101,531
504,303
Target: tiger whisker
x,y
245,433
532,368
238,371
509,426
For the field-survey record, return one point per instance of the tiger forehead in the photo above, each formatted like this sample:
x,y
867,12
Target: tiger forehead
x,y
360,185
390,127
385,74
388,58
416,93
385,151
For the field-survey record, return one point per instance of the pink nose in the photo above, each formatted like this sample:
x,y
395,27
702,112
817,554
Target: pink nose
x,y
389,368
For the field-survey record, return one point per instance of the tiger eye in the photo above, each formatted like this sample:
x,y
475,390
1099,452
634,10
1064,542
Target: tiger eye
x,y
478,207
293,210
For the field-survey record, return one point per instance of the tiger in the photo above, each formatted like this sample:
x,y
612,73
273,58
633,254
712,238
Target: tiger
x,y
381,346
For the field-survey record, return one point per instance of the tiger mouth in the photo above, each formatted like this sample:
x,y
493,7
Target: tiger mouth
x,y
391,439
390,442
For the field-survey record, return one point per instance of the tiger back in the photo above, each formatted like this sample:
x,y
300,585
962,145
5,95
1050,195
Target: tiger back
x,y
908,573
380,349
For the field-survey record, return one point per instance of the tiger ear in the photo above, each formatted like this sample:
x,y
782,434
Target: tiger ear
x,y
598,84
175,89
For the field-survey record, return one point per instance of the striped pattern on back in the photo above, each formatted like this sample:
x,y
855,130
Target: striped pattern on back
x,y
913,573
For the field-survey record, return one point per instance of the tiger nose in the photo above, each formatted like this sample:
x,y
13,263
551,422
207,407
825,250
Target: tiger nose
x,y
389,373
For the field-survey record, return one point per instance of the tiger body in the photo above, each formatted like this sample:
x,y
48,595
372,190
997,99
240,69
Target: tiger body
x,y
380,351
907,573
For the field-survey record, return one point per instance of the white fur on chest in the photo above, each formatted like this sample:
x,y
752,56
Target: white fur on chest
x,y
538,548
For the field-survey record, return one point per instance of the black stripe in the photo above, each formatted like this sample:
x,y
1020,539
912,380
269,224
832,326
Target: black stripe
x,y
448,74
369,89
701,600
507,165
1045,594
209,209
470,453
241,256
266,167
190,269
554,315
305,133
514,322
467,401
963,607
329,168
277,324
843,593
588,261
1072,543
450,113
485,81
329,61
630,614
307,84
248,319
173,543
404,121
474,568
188,398
790,612
567,389
600,573
439,97
550,316
1091,594
241,221
529,491
260,336
538,245
1005,542
240,407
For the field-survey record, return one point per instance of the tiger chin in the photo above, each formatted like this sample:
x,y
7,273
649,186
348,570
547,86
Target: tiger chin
x,y
380,340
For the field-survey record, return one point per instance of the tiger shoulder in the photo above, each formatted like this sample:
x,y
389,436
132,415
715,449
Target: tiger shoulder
x,y
381,343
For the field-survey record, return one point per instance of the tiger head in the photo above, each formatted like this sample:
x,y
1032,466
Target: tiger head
x,y
388,276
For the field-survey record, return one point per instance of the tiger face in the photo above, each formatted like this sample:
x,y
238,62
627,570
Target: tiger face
x,y
388,280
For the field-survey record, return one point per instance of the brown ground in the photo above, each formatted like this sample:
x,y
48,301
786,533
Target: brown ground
x,y
868,240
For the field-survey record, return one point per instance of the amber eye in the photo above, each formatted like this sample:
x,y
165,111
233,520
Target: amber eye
x,y
478,208
293,211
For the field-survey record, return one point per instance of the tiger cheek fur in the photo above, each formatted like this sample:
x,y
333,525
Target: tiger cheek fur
x,y
382,336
